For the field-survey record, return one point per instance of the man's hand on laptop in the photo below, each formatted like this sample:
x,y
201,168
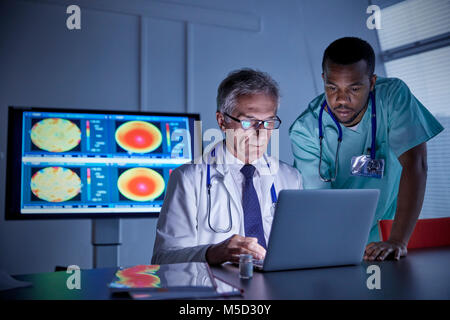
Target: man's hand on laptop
x,y
384,249
231,248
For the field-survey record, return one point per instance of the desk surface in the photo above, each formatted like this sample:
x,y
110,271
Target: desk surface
x,y
423,274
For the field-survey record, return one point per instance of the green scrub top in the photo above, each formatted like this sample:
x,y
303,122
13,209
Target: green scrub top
x,y
402,123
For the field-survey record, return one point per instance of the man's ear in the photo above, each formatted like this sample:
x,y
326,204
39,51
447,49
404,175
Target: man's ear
x,y
220,121
373,80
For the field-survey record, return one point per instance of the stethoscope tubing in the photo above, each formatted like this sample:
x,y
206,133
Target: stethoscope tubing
x,y
273,195
373,142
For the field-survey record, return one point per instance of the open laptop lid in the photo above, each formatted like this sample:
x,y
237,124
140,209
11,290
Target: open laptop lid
x,y
320,228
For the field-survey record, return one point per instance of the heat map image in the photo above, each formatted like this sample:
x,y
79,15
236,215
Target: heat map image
x,y
55,135
138,136
141,184
141,276
55,184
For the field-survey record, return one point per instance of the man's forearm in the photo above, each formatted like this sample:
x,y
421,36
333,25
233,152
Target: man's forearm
x,y
411,194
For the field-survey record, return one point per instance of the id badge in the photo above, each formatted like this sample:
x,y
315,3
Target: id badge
x,y
364,166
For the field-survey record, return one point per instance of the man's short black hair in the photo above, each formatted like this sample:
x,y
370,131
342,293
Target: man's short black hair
x,y
349,50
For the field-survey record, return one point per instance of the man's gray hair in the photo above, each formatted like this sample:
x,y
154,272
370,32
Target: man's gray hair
x,y
244,82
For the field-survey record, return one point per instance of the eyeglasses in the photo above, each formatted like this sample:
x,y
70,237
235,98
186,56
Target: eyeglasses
x,y
271,124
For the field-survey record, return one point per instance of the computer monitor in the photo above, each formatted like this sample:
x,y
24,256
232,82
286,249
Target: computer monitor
x,y
90,164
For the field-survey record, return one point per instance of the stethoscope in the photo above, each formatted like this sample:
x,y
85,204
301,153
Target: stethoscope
x,y
273,194
336,159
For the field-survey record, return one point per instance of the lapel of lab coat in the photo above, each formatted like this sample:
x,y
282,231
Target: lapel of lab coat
x,y
228,181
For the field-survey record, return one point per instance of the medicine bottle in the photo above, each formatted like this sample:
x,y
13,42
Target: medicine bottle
x,y
245,266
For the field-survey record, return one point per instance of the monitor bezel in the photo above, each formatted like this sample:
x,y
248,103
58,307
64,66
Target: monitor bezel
x,y
12,210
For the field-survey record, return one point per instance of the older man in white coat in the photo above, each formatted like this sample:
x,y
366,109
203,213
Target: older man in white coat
x,y
223,206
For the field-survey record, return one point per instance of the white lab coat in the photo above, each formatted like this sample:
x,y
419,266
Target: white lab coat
x,y
183,233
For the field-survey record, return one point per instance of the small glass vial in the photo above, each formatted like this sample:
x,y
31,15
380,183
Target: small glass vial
x,y
245,266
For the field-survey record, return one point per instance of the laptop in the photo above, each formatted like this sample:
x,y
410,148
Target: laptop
x,y
319,228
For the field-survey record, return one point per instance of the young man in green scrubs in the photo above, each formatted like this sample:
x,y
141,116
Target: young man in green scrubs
x,y
403,125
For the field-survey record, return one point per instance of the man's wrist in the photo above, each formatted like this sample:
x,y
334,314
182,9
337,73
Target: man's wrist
x,y
208,254
397,242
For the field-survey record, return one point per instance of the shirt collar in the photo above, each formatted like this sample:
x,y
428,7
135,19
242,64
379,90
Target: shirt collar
x,y
230,161
224,159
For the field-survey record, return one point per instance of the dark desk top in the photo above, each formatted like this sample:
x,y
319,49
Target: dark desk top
x,y
423,274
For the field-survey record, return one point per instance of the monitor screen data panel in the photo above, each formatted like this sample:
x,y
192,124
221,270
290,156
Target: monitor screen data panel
x,y
96,164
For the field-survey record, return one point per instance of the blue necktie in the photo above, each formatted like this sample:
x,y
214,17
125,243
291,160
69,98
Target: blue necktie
x,y
252,211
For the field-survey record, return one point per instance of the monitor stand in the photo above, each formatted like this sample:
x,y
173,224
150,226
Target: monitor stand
x,y
106,239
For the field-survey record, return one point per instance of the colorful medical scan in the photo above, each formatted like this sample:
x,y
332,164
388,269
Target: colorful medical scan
x,y
55,135
140,276
141,184
193,275
99,163
55,184
138,136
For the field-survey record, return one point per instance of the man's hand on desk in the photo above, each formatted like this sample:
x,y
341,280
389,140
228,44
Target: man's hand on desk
x,y
231,248
381,250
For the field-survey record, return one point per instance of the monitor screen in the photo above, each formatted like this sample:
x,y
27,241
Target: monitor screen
x,y
68,164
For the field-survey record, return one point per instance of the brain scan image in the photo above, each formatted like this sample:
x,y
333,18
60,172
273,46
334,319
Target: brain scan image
x,y
138,136
141,184
55,135
55,184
